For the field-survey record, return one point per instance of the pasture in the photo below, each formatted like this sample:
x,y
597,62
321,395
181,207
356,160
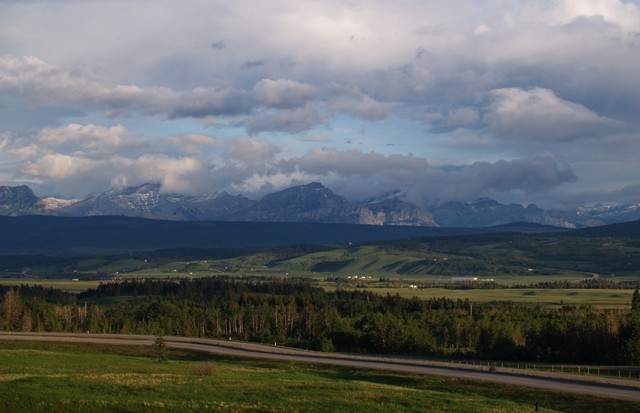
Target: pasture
x,y
38,377
604,298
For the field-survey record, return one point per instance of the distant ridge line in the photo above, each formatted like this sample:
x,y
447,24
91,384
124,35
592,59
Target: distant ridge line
x,y
38,233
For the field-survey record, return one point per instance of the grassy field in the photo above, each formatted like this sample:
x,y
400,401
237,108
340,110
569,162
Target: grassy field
x,y
38,377
60,284
605,298
543,297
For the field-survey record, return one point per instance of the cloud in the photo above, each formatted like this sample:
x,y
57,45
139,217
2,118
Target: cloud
x,y
626,194
539,115
408,82
325,161
203,102
457,83
194,144
250,151
363,107
288,120
87,135
535,174
176,175
461,117
22,153
283,93
620,13
369,174
46,84
250,64
317,138
59,166
219,45
258,166
193,139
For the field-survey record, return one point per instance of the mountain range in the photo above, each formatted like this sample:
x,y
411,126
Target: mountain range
x,y
311,203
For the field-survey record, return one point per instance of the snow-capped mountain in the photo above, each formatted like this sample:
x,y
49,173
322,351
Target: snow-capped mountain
x,y
147,201
19,200
600,214
304,203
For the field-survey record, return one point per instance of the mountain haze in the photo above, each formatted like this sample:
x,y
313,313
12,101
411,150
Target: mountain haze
x,y
487,212
312,203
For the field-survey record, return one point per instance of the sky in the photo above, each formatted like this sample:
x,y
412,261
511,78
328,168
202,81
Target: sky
x,y
519,101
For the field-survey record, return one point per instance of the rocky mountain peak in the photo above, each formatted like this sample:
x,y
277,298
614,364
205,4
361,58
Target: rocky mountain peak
x,y
18,200
13,194
312,202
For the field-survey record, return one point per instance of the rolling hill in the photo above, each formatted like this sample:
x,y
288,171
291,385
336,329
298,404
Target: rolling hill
x,y
108,234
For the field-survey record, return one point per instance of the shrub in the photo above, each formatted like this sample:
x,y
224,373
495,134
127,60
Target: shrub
x,y
160,350
205,369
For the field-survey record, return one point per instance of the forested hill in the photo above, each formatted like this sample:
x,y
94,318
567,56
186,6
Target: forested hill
x,y
293,313
108,234
625,229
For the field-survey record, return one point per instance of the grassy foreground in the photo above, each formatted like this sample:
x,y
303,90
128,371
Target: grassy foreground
x,y
38,377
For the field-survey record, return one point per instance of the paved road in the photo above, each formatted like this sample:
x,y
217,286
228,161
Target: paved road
x,y
618,389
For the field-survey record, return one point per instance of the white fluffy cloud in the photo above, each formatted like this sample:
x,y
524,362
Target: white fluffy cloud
x,y
59,166
87,135
176,175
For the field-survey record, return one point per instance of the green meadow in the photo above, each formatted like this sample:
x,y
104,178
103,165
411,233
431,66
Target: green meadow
x,y
38,377
546,297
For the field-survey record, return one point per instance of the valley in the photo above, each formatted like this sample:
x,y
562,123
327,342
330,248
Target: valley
x,y
519,294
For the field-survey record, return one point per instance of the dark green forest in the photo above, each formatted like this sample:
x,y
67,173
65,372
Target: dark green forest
x,y
292,312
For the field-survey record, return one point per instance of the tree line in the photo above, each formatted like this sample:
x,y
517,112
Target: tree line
x,y
294,313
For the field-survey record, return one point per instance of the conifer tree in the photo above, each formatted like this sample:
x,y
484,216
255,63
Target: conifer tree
x,y
160,349
635,301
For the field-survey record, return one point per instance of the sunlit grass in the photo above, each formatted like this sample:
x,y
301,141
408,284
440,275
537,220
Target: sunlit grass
x,y
38,377
60,284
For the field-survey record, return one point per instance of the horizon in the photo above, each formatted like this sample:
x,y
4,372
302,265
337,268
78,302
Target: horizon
x,y
354,201
521,102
